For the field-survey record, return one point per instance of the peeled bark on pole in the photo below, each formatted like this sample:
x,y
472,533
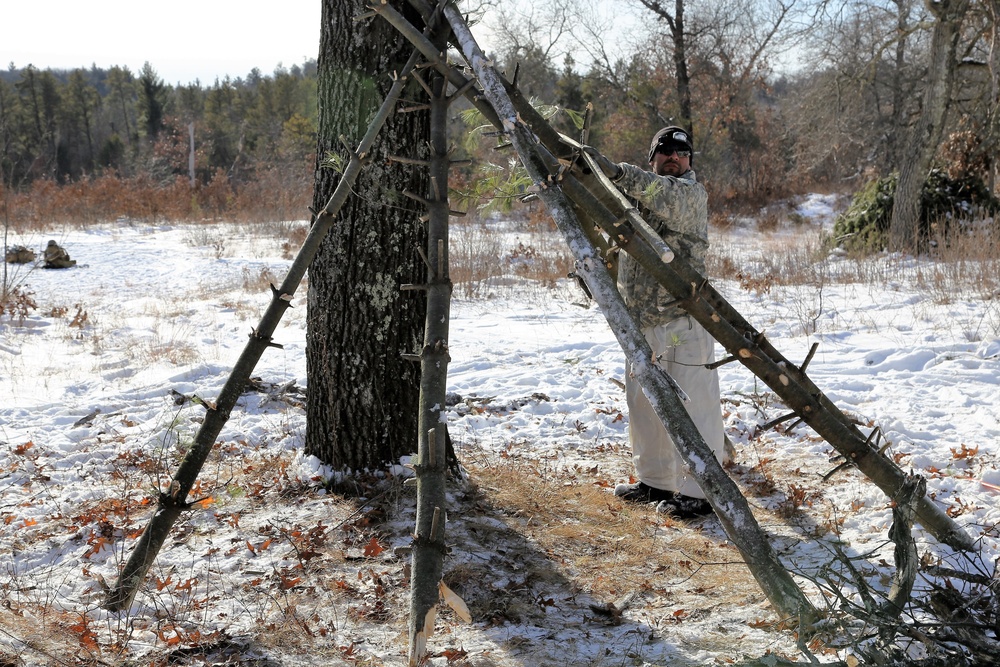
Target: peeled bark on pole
x,y
905,552
721,491
428,541
174,501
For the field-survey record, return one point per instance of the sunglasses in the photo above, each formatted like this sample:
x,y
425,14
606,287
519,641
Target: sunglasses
x,y
669,151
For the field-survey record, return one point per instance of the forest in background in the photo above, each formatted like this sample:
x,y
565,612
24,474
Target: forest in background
x,y
91,144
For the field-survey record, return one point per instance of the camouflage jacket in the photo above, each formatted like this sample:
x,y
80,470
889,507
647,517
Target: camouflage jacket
x,y
676,207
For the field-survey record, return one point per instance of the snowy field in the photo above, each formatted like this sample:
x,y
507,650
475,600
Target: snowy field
x,y
270,569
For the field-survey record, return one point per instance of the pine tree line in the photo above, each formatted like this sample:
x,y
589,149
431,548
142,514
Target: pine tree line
x,y
71,126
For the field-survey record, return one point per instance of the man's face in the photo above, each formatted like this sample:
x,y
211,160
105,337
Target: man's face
x,y
667,162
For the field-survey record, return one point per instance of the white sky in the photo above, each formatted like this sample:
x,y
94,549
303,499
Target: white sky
x,y
183,40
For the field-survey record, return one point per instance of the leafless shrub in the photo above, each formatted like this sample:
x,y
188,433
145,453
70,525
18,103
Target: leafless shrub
x,y
258,281
273,194
17,303
966,265
296,237
768,222
488,257
476,260
949,619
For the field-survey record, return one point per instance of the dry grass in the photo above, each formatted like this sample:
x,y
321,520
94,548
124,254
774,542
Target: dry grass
x,y
796,264
965,266
486,261
566,531
274,195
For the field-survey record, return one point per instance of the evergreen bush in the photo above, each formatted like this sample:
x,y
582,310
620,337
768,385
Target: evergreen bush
x,y
943,200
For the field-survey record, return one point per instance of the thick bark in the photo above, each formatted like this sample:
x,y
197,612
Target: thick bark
x,y
925,136
993,8
362,401
904,510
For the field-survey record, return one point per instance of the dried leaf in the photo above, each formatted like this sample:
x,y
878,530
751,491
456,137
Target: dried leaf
x,y
87,637
965,452
373,548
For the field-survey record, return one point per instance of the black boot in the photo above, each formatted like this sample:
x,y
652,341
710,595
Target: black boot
x,y
642,493
683,507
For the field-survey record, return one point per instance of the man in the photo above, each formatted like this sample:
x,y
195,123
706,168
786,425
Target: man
x,y
56,257
674,204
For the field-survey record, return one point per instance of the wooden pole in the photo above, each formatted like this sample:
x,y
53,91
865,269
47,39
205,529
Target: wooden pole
x,y
428,541
722,492
703,302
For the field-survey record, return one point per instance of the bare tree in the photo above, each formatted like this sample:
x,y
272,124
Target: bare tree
x,y
733,40
898,83
673,18
860,88
532,38
925,136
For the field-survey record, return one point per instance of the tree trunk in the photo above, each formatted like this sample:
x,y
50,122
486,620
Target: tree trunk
x,y
993,132
686,119
173,503
925,136
362,399
675,23
898,82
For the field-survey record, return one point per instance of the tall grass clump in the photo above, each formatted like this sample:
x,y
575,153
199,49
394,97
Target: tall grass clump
x,y
491,255
272,194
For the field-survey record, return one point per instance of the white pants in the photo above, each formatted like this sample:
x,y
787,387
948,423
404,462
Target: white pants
x,y
683,347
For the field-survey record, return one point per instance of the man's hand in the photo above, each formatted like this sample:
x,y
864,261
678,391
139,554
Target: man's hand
x,y
610,169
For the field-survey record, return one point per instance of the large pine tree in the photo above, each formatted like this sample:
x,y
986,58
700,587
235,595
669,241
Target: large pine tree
x,y
362,405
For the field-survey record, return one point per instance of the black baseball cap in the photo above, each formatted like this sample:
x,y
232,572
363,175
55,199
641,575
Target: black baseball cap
x,y
670,138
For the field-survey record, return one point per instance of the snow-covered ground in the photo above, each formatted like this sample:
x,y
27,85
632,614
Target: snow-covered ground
x,y
272,568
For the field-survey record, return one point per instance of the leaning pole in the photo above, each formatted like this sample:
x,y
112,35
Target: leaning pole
x,y
173,502
725,497
591,193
